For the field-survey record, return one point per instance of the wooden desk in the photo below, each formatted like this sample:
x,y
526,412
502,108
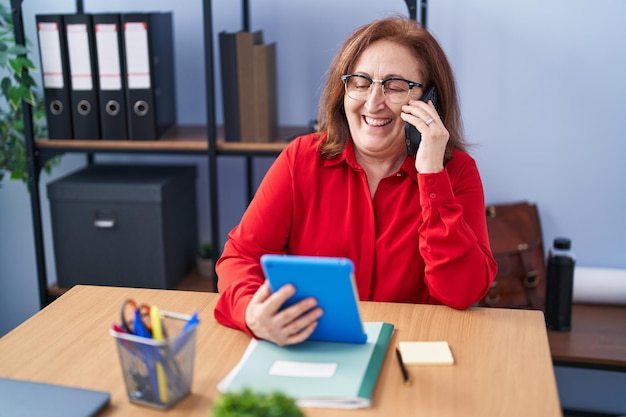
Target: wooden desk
x,y
597,339
503,364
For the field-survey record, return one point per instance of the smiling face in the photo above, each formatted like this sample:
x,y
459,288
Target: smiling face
x,y
375,124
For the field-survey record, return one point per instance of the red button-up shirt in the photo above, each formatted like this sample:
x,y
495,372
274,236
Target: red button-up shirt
x,y
421,239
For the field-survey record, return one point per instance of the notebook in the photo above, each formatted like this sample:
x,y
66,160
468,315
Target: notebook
x,y
314,373
329,280
36,399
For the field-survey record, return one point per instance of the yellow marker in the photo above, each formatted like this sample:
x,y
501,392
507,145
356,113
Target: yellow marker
x,y
157,334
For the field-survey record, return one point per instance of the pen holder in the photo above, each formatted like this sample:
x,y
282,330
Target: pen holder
x,y
158,373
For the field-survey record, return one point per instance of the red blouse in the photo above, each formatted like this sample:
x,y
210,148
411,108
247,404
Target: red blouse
x,y
421,239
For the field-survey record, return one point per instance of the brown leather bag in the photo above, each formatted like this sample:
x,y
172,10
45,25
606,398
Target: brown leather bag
x,y
517,245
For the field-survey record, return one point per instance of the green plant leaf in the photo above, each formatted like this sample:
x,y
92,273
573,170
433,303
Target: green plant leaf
x,y
248,403
17,87
5,84
17,50
28,81
19,64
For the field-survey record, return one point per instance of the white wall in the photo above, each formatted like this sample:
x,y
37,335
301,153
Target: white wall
x,y
541,85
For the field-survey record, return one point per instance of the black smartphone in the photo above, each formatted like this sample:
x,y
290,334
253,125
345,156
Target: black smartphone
x,y
412,136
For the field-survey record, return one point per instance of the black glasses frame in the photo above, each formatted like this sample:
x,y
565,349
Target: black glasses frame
x,y
382,82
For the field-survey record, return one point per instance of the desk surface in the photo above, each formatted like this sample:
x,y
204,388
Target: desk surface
x,y
502,358
597,338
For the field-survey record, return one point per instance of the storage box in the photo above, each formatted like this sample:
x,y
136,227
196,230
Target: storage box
x,y
124,225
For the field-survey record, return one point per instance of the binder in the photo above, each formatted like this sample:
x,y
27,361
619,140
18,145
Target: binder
x,y
83,76
244,45
236,59
54,66
265,93
230,88
111,83
149,60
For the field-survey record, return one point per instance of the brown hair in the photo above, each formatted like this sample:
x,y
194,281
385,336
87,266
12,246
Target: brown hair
x,y
404,31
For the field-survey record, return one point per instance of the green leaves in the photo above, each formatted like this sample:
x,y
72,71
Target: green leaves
x,y
251,404
16,87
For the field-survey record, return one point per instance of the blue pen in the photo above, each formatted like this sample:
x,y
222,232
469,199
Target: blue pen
x,y
139,328
193,321
184,335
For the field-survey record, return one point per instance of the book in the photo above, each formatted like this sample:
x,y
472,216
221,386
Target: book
x,y
230,88
265,92
244,47
314,373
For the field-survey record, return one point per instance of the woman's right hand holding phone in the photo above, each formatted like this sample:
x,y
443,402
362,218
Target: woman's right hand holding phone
x,y
434,135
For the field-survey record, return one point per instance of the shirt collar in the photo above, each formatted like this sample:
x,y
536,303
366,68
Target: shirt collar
x,y
348,156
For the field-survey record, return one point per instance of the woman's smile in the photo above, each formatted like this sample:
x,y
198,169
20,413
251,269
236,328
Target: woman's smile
x,y
376,122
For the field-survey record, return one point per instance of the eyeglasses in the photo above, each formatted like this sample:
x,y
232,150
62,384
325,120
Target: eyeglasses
x,y
396,90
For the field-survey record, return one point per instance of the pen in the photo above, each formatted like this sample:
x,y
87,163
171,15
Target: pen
x,y
139,328
193,321
157,334
405,373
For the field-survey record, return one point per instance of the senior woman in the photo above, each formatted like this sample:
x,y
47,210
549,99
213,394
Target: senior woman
x,y
414,226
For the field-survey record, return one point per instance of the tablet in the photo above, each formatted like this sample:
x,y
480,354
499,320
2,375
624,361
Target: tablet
x,y
330,281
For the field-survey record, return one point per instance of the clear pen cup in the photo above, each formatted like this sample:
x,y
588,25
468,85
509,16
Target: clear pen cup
x,y
158,373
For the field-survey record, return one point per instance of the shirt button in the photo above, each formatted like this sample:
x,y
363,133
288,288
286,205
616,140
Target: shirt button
x,y
430,181
432,196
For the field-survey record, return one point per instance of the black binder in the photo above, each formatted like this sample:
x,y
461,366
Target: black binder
x,y
83,75
230,86
54,68
111,82
149,60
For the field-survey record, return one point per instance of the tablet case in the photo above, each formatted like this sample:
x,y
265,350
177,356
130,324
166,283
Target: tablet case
x,y
331,281
38,399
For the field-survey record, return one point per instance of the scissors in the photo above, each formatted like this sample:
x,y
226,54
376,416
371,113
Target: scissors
x,y
136,318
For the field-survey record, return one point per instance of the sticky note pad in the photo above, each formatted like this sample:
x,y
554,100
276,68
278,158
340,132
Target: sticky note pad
x,y
426,353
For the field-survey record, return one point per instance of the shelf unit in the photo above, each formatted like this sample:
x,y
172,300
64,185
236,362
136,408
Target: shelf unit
x,y
206,140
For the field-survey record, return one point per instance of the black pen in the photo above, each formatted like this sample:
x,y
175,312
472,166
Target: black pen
x,y
405,373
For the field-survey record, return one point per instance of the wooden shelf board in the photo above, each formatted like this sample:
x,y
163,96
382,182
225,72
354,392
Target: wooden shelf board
x,y
188,138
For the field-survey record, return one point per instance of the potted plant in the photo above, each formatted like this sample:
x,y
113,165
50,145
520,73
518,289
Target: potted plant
x,y
16,87
205,260
252,404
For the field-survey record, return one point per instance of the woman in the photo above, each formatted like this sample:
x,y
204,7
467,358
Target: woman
x,y
414,226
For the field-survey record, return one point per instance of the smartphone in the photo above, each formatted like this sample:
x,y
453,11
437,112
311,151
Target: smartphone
x,y
412,136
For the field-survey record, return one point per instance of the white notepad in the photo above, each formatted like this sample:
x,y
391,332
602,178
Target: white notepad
x,y
426,353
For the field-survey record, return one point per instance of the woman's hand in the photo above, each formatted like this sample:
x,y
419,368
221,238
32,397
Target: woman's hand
x,y
283,327
432,149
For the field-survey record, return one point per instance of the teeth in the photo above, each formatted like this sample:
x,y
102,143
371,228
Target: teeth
x,y
376,122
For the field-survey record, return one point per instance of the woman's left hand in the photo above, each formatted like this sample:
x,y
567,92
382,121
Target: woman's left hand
x,y
432,149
